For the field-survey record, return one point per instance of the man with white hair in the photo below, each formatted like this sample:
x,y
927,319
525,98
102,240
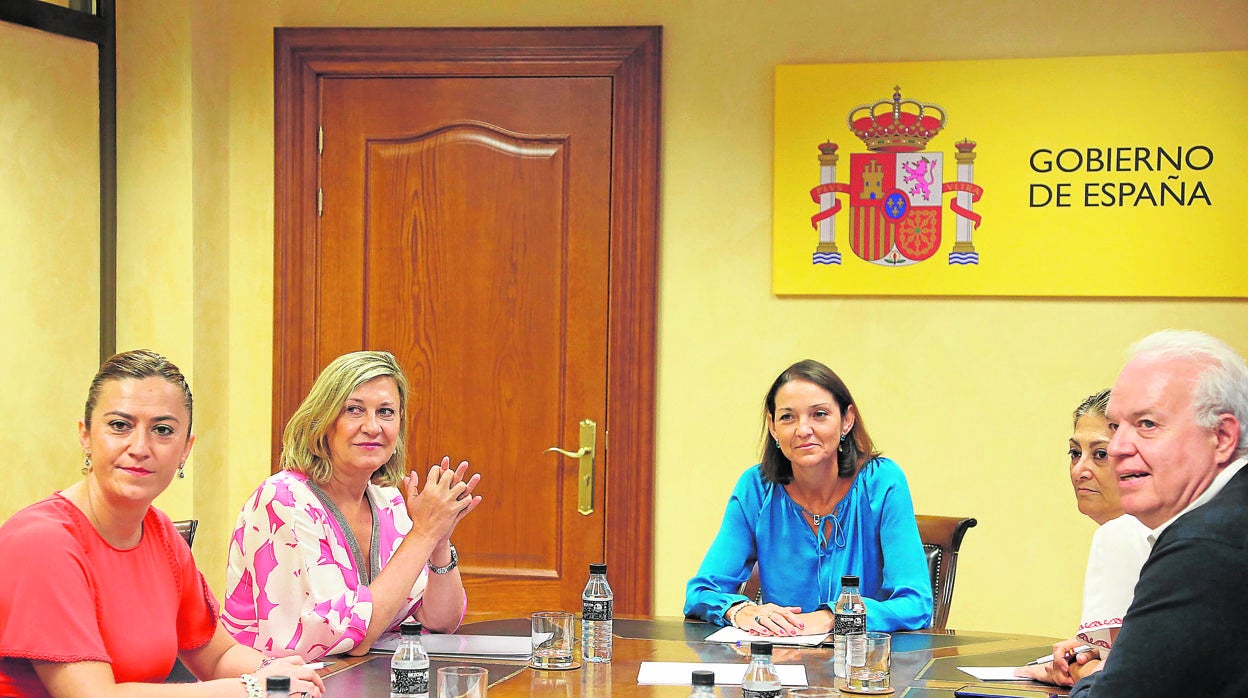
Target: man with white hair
x,y
1179,412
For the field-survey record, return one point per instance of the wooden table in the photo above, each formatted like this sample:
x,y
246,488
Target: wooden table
x,y
924,662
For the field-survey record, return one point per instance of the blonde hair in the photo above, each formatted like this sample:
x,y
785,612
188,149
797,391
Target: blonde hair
x,y
305,441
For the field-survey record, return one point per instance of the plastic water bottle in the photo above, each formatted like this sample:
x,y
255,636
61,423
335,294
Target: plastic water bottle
x,y
849,627
760,680
409,668
703,684
596,614
277,687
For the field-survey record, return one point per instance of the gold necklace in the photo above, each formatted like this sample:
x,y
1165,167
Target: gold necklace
x,y
91,516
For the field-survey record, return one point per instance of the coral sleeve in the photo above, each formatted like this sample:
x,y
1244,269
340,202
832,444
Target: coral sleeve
x,y
198,611
47,610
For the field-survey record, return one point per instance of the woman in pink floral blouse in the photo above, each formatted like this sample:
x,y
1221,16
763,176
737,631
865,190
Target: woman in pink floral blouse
x,y
342,545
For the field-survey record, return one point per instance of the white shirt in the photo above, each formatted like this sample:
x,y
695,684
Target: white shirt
x,y
1119,548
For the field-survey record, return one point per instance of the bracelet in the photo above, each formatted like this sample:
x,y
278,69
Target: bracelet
x,y
252,686
449,566
731,615
265,661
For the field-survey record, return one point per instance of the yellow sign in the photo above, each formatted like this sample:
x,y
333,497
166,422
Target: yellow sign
x,y
1108,176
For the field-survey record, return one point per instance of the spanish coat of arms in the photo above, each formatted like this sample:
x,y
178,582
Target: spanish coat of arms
x,y
895,189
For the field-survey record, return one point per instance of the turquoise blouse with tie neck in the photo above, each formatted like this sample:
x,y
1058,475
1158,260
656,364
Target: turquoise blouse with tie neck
x,y
871,534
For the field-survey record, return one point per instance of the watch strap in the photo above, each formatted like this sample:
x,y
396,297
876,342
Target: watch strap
x,y
449,566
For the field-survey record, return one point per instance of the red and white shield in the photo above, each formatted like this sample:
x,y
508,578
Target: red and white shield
x,y
894,206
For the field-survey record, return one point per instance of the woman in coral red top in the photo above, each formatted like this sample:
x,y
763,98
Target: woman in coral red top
x,y
100,593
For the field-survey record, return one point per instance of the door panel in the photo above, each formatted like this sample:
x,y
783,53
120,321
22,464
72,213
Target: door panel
x,y
466,229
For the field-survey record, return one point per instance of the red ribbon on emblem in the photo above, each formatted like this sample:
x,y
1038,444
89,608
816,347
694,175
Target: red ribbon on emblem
x,y
831,188
973,189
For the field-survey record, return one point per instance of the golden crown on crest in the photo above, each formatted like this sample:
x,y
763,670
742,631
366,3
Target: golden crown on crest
x,y
904,127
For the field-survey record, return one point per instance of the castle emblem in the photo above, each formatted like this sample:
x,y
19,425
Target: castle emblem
x,y
895,188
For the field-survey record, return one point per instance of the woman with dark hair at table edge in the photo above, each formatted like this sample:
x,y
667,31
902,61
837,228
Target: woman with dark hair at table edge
x,y
822,503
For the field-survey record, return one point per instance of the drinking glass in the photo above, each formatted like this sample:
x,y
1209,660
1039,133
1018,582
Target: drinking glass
x,y
553,639
463,682
876,675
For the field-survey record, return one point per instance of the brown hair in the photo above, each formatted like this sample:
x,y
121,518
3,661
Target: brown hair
x,y
137,364
1095,404
857,447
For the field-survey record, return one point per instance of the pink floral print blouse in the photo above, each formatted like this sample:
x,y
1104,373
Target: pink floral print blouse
x,y
293,585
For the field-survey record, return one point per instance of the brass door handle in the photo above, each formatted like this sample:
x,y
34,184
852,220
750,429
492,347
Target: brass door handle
x,y
585,476
583,450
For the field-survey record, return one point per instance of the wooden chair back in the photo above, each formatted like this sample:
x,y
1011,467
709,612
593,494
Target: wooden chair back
x,y
942,538
187,530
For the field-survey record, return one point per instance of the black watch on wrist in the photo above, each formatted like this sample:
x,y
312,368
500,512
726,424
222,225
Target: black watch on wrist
x,y
449,566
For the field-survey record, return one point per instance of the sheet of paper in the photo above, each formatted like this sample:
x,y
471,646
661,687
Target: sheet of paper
x,y
681,673
992,673
732,634
484,646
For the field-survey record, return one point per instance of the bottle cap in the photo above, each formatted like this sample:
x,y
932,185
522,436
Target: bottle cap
x,y
410,628
703,678
763,648
597,568
277,683
849,580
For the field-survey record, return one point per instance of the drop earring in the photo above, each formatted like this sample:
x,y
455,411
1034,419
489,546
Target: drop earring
x,y
840,446
86,462
181,470
777,443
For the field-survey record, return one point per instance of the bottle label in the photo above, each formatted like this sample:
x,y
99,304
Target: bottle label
x,y
596,609
760,692
409,681
849,623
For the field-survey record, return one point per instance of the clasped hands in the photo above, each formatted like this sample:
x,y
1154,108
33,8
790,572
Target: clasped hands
x,y
443,502
770,619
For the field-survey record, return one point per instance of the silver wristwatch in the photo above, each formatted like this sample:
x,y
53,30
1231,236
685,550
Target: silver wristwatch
x,y
449,566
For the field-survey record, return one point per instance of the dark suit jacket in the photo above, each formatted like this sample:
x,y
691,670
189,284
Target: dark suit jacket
x,y
1186,633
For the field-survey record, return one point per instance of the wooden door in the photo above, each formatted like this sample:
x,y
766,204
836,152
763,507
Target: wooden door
x,y
484,269
468,224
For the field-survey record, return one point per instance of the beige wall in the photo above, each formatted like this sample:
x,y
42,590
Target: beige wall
x,y
49,257
156,284
971,396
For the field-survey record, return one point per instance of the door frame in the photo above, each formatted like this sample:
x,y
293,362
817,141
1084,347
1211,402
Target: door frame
x,y
631,57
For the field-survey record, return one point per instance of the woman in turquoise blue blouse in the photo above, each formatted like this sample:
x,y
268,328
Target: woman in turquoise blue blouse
x,y
822,503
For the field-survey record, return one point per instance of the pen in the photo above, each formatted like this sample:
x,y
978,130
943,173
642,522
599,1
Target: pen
x,y
317,665
1069,656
